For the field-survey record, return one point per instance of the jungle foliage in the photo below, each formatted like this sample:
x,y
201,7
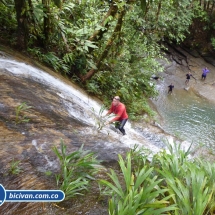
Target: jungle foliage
x,y
169,182
77,169
109,47
173,183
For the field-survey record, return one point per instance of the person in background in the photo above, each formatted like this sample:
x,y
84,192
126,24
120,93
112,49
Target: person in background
x,y
204,73
189,75
121,117
171,86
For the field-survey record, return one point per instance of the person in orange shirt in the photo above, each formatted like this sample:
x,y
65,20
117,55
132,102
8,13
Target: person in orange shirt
x,y
121,117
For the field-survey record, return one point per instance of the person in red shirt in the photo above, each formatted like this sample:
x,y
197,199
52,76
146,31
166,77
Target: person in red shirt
x,y
121,117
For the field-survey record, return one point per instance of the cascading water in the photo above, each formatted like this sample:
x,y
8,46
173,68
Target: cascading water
x,y
69,95
79,105
60,110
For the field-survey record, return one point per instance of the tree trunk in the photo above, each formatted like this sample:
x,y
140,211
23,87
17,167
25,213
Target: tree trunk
x,y
107,48
98,35
158,11
111,12
22,29
46,22
212,8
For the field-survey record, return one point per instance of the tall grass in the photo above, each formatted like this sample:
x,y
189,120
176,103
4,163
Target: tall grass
x,y
15,167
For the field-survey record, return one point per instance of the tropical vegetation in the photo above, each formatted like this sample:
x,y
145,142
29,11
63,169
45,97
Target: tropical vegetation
x,y
77,169
172,183
109,47
169,182
113,47
20,110
14,167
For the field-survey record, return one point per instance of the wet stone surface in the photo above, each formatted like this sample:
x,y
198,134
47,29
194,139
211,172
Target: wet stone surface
x,y
31,143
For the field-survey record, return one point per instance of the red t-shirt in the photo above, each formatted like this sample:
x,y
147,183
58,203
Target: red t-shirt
x,y
119,110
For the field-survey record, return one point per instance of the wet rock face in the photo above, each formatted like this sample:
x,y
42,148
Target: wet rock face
x,y
31,141
48,122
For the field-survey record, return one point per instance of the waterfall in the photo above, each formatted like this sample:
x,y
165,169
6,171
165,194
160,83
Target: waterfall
x,y
79,105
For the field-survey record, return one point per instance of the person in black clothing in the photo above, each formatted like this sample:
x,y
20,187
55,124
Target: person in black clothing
x,y
171,86
189,75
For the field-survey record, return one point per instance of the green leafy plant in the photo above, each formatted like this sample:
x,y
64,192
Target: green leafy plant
x,y
19,110
172,183
48,173
100,118
139,157
58,64
138,193
77,169
189,182
14,167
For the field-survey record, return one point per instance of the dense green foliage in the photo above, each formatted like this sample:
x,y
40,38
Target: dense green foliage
x,y
172,182
76,170
109,47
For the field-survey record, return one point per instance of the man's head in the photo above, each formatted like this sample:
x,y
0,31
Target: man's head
x,y
116,100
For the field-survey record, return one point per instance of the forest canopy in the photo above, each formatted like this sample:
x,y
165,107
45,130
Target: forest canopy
x,y
110,47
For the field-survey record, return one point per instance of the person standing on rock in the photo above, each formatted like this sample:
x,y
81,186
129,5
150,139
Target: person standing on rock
x,y
171,86
189,75
204,73
121,117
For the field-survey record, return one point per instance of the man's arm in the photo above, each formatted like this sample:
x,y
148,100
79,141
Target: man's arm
x,y
108,113
110,110
119,114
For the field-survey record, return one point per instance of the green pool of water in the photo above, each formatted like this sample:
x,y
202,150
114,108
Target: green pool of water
x,y
188,116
